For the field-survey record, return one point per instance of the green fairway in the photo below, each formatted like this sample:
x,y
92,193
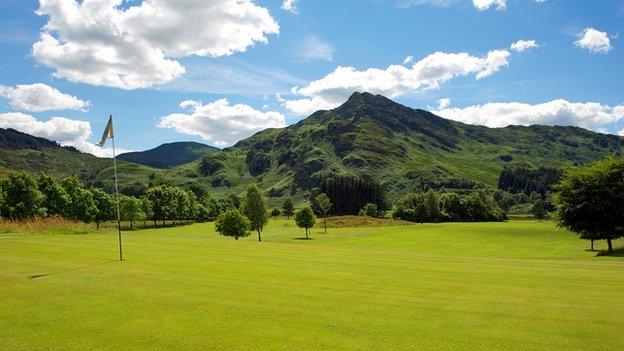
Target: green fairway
x,y
521,285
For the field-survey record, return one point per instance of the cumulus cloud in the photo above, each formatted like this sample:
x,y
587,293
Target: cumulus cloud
x,y
444,103
395,80
313,48
40,97
101,42
522,45
590,115
483,5
289,5
219,122
67,132
594,41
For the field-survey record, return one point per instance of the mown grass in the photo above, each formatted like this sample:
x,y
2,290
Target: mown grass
x,y
521,285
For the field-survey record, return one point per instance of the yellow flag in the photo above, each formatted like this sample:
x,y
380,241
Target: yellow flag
x,y
108,132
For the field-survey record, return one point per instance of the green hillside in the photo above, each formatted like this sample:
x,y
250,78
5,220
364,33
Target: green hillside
x,y
403,148
168,155
368,136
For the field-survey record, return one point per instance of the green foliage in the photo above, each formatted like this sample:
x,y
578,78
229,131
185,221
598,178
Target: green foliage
x,y
275,212
349,194
233,224
324,205
448,207
255,209
539,209
105,206
529,181
288,207
369,210
590,200
22,198
130,209
305,219
55,198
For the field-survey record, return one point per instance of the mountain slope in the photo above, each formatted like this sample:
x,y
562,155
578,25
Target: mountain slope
x,y
169,155
20,151
405,149
368,136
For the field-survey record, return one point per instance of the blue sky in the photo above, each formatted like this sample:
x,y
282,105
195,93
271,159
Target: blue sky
x,y
281,60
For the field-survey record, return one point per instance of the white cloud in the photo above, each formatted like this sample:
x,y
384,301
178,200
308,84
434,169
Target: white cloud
x,y
40,97
395,80
101,42
621,133
408,59
590,115
522,45
289,5
313,48
595,41
67,132
444,103
220,122
483,5
409,3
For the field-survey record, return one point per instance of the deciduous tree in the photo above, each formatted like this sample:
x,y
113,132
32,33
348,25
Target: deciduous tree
x,y
256,209
232,223
590,201
324,206
305,219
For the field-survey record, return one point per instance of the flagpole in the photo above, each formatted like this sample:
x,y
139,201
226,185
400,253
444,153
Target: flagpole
x,y
117,196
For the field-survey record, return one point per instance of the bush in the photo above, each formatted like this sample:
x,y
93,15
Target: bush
x,y
233,224
369,210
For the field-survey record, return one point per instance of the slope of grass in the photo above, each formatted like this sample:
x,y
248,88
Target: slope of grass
x,y
521,285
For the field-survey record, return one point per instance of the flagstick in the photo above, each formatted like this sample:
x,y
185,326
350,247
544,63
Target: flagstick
x,y
117,196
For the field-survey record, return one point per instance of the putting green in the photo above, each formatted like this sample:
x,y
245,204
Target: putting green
x,y
521,285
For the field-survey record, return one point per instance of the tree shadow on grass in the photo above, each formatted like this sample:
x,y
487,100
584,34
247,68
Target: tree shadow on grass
x,y
619,252
35,276
304,238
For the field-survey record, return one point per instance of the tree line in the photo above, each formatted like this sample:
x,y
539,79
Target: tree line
x,y
448,207
23,196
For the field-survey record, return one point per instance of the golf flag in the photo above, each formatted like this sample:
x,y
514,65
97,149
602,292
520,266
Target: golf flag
x,y
108,132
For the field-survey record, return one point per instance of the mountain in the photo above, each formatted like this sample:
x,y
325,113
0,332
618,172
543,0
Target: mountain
x,y
21,151
369,136
169,155
403,148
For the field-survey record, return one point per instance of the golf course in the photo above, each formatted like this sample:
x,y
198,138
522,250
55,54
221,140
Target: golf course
x,y
516,285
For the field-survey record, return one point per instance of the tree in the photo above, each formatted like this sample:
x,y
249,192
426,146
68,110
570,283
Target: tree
x,y
163,202
305,219
81,204
324,205
539,209
256,209
130,209
433,208
232,223
105,207
369,210
147,208
55,198
275,212
590,201
22,198
287,207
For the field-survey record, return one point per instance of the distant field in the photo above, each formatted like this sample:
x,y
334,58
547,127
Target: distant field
x,y
522,285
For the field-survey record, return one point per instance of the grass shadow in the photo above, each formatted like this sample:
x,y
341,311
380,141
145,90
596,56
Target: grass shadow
x,y
619,252
35,276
